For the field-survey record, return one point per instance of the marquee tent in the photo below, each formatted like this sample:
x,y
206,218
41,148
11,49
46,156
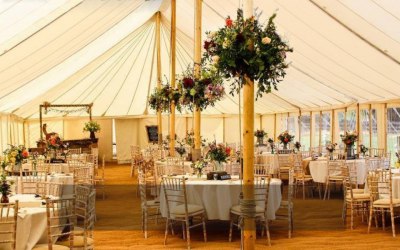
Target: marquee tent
x,y
346,56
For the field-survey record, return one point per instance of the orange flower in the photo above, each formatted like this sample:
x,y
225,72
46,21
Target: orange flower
x,y
25,154
228,22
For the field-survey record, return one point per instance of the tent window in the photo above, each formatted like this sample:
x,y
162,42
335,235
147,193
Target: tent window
x,y
316,123
393,130
351,120
364,120
326,129
374,134
305,131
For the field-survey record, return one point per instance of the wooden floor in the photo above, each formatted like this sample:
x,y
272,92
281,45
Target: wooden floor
x,y
317,223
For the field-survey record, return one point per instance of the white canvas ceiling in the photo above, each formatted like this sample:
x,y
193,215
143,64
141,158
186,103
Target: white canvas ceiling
x,y
84,51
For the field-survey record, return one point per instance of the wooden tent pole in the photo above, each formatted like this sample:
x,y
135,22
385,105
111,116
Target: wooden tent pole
x,y
197,64
173,63
158,46
249,229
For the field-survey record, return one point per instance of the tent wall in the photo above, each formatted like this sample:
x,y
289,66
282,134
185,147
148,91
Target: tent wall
x,y
11,131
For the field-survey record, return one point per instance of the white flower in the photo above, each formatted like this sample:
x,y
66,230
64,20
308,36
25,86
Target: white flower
x,y
211,35
280,47
215,59
226,43
266,40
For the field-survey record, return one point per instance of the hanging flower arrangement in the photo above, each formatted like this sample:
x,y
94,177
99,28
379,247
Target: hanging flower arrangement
x,y
202,92
161,99
244,47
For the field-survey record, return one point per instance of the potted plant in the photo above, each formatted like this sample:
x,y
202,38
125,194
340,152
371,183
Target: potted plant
x,y
218,153
349,138
260,134
92,127
330,147
285,138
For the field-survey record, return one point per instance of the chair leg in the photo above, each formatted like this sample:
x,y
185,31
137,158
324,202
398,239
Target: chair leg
x,y
188,233
351,216
145,224
370,217
204,228
267,231
383,218
344,212
392,220
230,228
183,230
290,223
304,191
166,231
326,189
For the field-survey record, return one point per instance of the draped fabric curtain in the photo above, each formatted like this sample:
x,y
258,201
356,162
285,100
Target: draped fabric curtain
x,y
11,131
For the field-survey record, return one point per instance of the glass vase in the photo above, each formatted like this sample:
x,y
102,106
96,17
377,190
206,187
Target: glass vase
x,y
218,166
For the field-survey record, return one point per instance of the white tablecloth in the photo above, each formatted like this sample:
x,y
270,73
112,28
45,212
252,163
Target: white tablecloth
x,y
217,197
319,170
268,158
31,222
66,179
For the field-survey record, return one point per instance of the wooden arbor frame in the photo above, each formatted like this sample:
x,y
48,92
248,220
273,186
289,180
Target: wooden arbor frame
x,y
46,105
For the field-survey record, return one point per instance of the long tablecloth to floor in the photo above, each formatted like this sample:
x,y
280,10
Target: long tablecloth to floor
x,y
217,197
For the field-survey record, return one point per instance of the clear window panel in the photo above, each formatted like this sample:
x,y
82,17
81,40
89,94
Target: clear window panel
x,y
326,129
340,117
374,134
305,131
291,126
316,130
393,130
364,123
284,123
351,120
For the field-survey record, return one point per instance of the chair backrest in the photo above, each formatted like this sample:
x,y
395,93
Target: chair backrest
x,y
305,154
175,165
85,208
298,168
374,164
60,220
8,225
29,182
74,151
234,168
335,168
349,173
135,150
83,175
380,184
261,189
175,193
377,152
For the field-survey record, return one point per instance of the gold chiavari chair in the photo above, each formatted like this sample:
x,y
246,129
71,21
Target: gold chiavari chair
x,y
381,197
334,176
179,210
150,208
83,175
261,191
300,176
8,225
285,211
354,199
99,178
74,151
60,223
135,158
377,152
284,164
175,165
85,210
29,182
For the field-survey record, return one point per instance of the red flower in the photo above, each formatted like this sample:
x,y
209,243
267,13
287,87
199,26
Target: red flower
x,y
228,150
53,141
25,154
188,82
228,22
286,140
348,141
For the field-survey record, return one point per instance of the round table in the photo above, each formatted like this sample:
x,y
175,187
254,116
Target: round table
x,y
217,197
319,170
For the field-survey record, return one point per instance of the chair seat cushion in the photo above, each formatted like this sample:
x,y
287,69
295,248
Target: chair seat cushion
x,y
358,191
236,209
358,196
78,242
192,209
45,247
153,203
386,202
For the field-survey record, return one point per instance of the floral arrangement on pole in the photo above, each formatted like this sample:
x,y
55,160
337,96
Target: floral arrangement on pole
x,y
349,138
285,138
218,152
244,47
203,92
161,99
330,147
